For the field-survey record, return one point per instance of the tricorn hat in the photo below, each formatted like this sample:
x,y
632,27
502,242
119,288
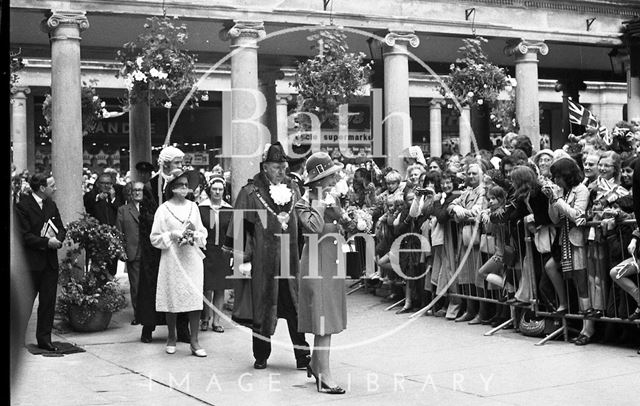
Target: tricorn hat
x,y
144,166
319,166
274,153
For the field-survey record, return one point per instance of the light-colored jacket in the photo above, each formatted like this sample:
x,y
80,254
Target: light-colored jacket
x,y
574,207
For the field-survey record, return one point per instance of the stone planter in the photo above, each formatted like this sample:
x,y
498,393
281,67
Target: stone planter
x,y
98,321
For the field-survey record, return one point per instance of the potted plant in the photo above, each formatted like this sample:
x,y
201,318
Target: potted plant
x,y
155,66
89,293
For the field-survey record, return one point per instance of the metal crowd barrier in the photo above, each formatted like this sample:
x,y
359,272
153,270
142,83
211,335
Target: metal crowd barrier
x,y
604,251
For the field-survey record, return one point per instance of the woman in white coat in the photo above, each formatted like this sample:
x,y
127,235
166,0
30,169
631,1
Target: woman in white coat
x,y
178,232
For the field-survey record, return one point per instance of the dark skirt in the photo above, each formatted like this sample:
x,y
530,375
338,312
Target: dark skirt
x,y
216,270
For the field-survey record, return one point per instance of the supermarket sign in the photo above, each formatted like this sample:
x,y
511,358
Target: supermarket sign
x,y
196,158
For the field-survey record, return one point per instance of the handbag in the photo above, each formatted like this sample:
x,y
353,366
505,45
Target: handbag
x,y
530,325
467,234
543,239
488,244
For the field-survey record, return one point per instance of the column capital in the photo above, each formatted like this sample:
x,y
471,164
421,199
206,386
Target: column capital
x,y
242,29
56,18
521,46
15,90
405,36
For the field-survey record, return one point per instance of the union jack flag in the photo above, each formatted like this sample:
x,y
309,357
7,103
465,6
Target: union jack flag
x,y
581,116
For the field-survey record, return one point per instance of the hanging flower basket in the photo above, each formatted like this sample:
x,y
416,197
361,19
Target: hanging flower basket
x,y
332,77
156,62
473,80
93,109
90,294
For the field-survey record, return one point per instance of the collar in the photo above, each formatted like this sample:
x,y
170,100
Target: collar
x,y
207,203
38,199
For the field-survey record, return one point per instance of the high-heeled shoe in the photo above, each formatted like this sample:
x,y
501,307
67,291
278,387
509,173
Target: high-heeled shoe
x,y
323,387
199,352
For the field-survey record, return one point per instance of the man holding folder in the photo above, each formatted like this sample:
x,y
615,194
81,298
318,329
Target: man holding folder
x,y
41,232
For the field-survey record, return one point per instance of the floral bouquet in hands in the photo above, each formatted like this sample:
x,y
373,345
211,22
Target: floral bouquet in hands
x,y
187,235
360,220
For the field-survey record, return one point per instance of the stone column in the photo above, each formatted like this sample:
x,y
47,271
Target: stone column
x,y
246,129
139,133
396,95
64,29
570,88
282,105
267,79
19,128
527,103
464,128
435,127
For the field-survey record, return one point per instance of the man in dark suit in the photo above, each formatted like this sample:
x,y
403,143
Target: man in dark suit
x,y
127,224
170,158
102,202
42,232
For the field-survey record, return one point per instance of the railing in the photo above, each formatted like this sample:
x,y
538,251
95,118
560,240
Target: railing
x,y
604,251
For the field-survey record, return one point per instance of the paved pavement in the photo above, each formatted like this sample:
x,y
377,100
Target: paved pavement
x,y
381,359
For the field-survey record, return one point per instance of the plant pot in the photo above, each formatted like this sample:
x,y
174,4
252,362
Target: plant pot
x,y
97,321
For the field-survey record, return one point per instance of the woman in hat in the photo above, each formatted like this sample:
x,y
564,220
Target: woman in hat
x,y
322,296
216,215
178,232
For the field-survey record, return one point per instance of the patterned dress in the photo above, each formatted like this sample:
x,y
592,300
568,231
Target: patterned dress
x,y
181,271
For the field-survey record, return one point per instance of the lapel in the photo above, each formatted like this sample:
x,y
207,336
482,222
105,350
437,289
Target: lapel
x,y
35,208
134,212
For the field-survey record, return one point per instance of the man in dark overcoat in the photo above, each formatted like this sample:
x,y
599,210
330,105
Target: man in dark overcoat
x,y
273,194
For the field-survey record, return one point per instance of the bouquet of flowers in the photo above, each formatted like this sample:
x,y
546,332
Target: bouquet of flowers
x,y
360,220
187,235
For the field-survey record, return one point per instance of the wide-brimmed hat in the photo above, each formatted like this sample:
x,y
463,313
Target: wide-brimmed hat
x,y
319,166
274,153
542,152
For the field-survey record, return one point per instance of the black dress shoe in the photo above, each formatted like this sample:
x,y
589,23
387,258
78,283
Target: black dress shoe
x,y
635,315
48,347
303,363
260,364
146,334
